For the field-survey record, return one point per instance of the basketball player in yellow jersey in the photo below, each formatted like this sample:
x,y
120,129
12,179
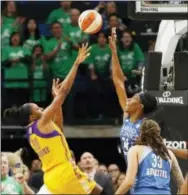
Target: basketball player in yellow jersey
x,y
45,136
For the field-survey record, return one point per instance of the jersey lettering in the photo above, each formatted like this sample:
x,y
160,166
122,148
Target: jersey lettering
x,y
35,144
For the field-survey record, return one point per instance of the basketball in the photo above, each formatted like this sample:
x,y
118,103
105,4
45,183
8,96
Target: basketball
x,y
90,21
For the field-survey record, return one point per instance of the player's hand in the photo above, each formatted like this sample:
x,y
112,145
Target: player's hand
x,y
112,40
55,87
83,53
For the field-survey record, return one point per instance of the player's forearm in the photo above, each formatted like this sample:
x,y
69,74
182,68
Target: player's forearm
x,y
118,81
177,173
180,153
58,119
117,72
69,80
184,189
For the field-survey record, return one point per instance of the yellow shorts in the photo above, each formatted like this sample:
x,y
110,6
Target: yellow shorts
x,y
69,181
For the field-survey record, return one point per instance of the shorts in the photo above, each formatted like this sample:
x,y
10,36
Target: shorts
x,y
71,181
44,190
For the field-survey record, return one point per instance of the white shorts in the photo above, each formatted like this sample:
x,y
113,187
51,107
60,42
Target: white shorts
x,y
44,190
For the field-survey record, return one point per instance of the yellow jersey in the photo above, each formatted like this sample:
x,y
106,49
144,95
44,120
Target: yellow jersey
x,y
60,175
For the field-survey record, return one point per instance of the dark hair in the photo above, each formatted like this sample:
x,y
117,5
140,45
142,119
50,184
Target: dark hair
x,y
102,32
150,135
113,15
12,35
5,10
56,22
154,112
21,114
131,47
149,102
36,46
26,31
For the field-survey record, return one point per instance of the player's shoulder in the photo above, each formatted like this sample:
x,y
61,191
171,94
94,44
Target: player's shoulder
x,y
137,148
134,148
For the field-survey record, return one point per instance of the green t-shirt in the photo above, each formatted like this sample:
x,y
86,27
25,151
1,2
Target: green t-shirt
x,y
76,35
18,70
100,57
39,82
31,42
129,59
6,32
10,186
62,62
59,15
9,20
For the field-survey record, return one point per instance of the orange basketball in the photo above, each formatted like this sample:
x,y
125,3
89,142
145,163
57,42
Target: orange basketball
x,y
90,21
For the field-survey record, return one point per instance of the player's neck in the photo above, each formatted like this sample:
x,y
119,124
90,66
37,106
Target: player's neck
x,y
136,116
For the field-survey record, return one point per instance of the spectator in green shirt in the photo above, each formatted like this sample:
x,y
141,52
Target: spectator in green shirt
x,y
10,185
58,52
10,21
31,34
131,58
15,61
39,74
99,59
101,84
61,14
114,21
74,33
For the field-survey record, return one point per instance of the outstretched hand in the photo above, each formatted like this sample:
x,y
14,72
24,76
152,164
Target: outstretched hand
x,y
55,87
112,40
83,53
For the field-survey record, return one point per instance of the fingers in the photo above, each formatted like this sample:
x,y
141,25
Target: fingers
x,y
57,81
88,49
87,55
53,84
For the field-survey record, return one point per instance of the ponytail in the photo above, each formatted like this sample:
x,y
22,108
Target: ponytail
x,y
150,135
20,114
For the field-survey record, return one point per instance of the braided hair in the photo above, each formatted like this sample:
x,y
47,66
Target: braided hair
x,y
21,114
150,136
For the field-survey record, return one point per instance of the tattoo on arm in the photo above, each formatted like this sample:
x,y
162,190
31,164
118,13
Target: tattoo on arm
x,y
177,173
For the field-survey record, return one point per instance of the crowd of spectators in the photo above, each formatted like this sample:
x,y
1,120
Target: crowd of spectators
x,y
18,178
30,60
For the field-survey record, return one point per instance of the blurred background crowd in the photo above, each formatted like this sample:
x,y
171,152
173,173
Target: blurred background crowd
x,y
29,179
40,41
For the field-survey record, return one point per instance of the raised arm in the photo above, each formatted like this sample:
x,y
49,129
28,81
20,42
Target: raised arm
x,y
176,172
117,74
58,118
131,171
65,86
